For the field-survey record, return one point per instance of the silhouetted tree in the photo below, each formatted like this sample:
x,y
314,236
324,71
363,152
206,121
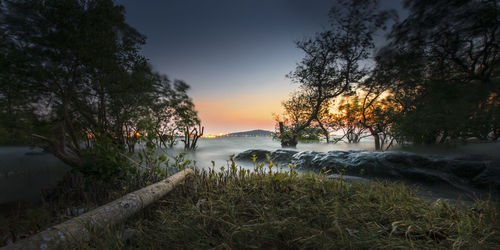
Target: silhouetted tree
x,y
377,117
457,37
187,121
347,119
81,65
297,110
332,61
442,69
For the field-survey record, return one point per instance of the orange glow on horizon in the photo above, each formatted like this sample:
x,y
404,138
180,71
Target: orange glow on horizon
x,y
238,112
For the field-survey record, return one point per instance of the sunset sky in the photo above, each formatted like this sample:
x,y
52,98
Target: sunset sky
x,y
233,54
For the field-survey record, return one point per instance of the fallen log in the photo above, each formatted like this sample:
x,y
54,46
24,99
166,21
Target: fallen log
x,y
109,214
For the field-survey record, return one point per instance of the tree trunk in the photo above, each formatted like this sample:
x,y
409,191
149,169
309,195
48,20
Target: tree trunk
x,y
282,129
291,141
57,147
106,215
327,137
390,144
71,130
443,137
377,142
376,138
286,140
171,142
196,135
187,139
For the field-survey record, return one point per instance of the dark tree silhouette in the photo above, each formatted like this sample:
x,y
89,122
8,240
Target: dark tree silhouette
x,y
332,62
80,63
442,68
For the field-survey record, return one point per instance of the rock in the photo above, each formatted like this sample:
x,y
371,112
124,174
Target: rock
x,y
437,163
419,160
488,179
37,153
471,157
303,160
424,176
465,173
247,155
282,156
363,158
396,158
466,169
328,161
337,153
404,159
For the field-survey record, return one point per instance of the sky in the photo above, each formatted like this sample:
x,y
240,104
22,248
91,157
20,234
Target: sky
x,y
234,54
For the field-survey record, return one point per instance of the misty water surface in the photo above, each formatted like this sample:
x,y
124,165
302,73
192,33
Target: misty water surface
x,y
25,171
219,149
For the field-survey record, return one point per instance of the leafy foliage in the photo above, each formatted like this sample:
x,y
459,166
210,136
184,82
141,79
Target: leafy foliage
x,y
442,69
348,119
435,82
80,64
332,62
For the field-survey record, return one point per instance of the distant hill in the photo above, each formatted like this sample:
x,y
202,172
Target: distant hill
x,y
257,132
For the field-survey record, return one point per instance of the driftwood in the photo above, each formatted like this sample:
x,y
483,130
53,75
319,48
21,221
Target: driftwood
x,y
109,214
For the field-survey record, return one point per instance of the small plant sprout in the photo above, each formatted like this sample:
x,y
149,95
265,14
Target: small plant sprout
x,y
234,168
362,171
271,164
344,169
260,167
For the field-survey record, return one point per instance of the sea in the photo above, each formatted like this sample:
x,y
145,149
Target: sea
x,y
24,171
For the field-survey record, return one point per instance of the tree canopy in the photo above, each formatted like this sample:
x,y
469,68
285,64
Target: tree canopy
x,y
333,60
435,81
441,65
77,66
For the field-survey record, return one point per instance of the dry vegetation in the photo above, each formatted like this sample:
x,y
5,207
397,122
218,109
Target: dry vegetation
x,y
236,209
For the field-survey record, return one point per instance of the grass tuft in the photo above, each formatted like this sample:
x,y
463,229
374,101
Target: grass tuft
x,y
265,210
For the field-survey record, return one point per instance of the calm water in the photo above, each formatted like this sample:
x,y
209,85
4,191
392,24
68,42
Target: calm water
x,y
220,149
24,171
23,176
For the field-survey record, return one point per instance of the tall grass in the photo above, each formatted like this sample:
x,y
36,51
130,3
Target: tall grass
x,y
242,209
